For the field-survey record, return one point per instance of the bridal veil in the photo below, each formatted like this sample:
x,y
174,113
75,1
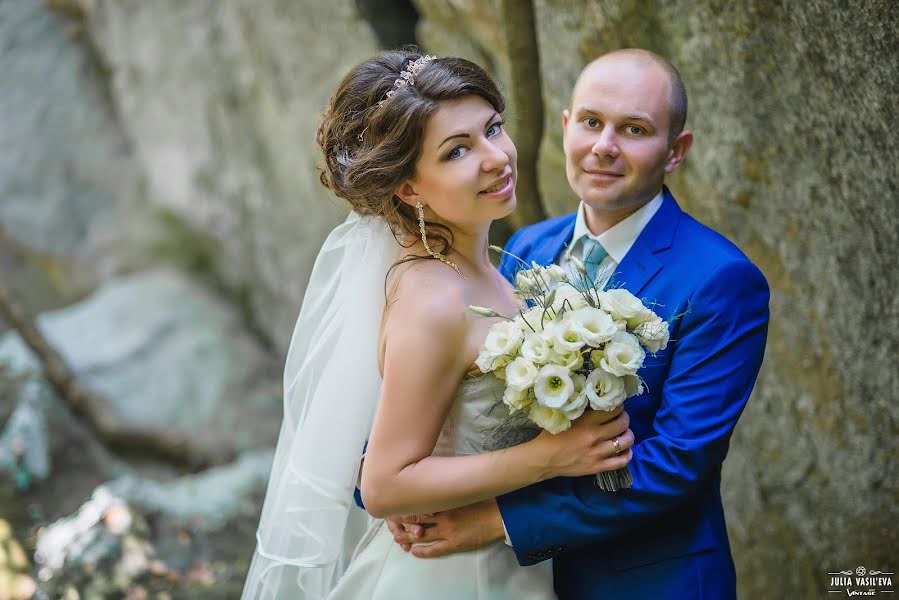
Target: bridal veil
x,y
310,523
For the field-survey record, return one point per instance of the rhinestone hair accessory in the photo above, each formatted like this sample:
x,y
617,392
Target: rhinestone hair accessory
x,y
407,76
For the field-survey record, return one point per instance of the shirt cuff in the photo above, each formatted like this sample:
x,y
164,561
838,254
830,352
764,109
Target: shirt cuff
x,y
506,531
359,474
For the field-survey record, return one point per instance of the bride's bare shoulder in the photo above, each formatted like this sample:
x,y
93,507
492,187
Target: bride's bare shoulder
x,y
427,293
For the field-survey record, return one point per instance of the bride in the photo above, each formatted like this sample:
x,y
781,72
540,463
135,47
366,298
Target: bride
x,y
384,348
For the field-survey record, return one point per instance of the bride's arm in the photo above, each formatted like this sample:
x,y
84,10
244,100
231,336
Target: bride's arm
x,y
424,362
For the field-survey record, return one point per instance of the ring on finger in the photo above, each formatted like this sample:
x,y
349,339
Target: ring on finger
x,y
617,446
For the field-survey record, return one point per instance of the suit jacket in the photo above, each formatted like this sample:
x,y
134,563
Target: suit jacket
x,y
665,537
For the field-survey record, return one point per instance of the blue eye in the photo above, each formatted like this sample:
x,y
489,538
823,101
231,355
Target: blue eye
x,y
457,152
495,129
591,122
633,130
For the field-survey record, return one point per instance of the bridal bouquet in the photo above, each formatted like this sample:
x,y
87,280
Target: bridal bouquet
x,y
571,345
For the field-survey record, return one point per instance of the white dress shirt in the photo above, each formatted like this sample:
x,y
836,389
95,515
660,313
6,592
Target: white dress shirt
x,y
616,240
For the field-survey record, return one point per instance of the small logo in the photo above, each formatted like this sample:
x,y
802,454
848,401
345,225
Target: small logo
x,y
865,582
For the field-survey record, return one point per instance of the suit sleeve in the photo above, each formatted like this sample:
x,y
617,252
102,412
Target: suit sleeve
x,y
508,265
357,493
713,368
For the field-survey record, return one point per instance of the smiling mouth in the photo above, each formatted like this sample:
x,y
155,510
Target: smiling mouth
x,y
498,186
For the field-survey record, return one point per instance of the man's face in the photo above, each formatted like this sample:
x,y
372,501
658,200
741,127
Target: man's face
x,y
616,135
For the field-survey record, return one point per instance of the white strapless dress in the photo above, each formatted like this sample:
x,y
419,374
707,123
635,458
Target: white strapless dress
x,y
380,570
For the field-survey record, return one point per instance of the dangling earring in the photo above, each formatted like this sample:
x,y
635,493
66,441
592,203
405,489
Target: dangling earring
x,y
424,240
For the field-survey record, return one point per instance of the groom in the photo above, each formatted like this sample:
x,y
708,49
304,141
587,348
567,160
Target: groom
x,y
664,538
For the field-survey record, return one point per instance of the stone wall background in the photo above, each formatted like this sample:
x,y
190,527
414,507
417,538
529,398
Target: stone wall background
x,y
145,134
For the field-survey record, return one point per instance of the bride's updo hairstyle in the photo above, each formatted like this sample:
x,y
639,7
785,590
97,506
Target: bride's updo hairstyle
x,y
371,142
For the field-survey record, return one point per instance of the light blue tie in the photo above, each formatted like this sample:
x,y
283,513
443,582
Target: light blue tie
x,y
592,253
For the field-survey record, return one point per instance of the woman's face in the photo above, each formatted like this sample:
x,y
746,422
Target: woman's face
x,y
467,170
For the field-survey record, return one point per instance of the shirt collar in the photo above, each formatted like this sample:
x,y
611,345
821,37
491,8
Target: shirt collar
x,y
619,238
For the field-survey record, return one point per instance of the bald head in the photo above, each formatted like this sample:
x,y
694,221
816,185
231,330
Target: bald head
x,y
645,59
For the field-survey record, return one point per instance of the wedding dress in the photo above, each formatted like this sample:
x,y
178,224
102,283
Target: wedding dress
x,y
380,570
313,542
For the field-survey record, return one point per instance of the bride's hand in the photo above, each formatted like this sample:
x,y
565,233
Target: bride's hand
x,y
588,447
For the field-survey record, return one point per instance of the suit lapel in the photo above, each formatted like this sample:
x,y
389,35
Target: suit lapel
x,y
640,264
550,249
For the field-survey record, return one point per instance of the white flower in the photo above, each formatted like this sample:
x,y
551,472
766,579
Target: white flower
x,y
597,326
517,399
483,311
566,336
553,386
529,281
521,373
578,402
503,339
574,260
535,348
625,306
487,362
572,361
623,355
556,273
633,385
575,298
550,419
534,319
653,334
605,391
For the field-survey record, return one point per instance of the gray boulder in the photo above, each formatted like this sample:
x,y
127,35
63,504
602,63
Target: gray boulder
x,y
166,354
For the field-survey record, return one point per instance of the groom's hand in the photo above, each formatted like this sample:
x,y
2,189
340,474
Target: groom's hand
x,y
450,531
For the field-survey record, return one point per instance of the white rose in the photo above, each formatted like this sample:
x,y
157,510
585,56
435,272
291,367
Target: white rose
x,y
625,306
566,336
550,419
572,361
553,386
535,348
517,399
653,334
605,391
623,355
575,298
596,325
633,385
521,373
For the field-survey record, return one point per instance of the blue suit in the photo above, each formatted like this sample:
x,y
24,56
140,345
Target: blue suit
x,y
665,538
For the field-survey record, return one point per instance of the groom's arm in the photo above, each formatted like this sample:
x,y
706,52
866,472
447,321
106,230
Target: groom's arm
x,y
713,369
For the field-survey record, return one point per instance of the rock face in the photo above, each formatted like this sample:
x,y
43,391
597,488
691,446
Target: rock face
x,y
66,168
220,101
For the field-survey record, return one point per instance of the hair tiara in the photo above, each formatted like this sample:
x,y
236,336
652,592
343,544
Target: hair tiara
x,y
407,76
